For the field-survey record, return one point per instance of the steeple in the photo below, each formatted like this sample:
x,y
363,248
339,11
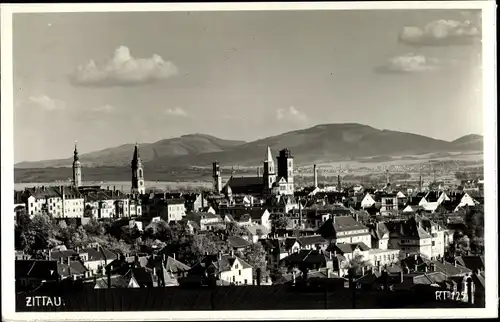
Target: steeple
x,y
137,173
269,155
269,176
75,153
77,168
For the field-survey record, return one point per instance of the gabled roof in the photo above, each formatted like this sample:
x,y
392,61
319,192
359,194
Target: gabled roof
x,y
117,281
379,230
242,185
41,269
224,263
340,224
311,240
349,248
237,242
472,262
450,269
308,257
255,230
99,254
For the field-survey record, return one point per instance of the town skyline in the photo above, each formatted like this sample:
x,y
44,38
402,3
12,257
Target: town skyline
x,y
228,74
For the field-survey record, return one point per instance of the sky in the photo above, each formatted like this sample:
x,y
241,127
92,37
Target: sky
x,y
106,79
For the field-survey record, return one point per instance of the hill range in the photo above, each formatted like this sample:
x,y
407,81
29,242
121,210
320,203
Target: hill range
x,y
318,144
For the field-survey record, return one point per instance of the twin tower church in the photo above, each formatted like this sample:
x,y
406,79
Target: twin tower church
x,y
138,187
274,181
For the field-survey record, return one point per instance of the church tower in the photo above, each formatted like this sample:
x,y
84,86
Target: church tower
x,y
269,176
77,169
285,169
217,179
137,173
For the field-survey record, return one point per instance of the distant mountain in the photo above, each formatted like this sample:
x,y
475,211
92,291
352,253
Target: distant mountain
x,y
468,142
321,143
191,144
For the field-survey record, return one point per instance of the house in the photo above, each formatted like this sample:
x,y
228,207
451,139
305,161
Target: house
x,y
345,229
465,200
223,269
168,270
194,201
253,215
176,210
473,262
116,281
383,257
368,201
410,237
101,203
309,260
389,203
237,243
32,273
276,251
350,251
58,202
411,209
312,242
205,220
257,231
432,200
379,236
96,257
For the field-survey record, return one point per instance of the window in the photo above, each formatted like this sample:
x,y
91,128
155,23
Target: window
x,y
246,282
236,266
239,272
433,243
234,279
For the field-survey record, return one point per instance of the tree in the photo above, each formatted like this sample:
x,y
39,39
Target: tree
x,y
357,263
94,227
88,211
474,220
281,223
257,258
233,229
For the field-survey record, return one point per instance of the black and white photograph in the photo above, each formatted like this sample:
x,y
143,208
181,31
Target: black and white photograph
x,y
247,161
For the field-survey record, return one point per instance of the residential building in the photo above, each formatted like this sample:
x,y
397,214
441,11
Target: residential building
x,y
222,269
345,229
204,220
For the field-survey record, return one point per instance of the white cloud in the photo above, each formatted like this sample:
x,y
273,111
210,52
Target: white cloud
x,y
177,111
441,33
123,69
46,103
104,109
290,114
410,63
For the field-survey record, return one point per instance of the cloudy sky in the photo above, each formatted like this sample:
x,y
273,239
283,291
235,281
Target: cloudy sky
x,y
107,79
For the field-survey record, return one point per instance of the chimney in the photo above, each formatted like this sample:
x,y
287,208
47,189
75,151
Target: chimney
x,y
219,255
61,260
258,172
335,253
232,253
363,271
416,267
174,256
50,254
315,170
416,257
401,277
330,254
455,262
357,217
425,268
154,270
69,261
293,277
163,258
333,219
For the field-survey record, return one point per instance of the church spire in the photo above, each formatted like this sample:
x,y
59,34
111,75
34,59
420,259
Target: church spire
x,y
269,155
75,153
137,156
77,168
